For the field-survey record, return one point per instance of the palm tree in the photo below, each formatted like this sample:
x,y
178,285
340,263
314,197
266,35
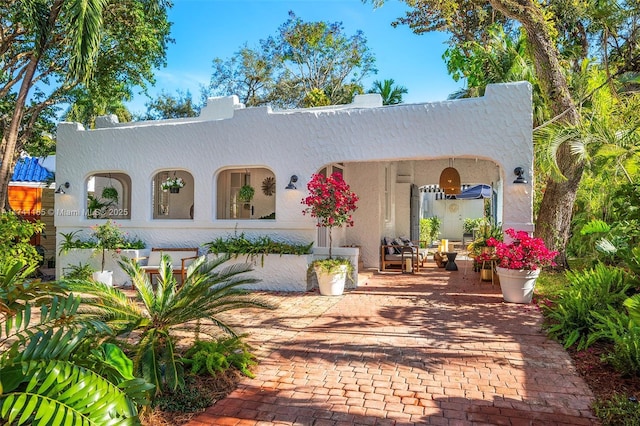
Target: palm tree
x,y
391,95
208,290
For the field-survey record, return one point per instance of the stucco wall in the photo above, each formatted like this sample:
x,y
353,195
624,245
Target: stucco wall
x,y
496,128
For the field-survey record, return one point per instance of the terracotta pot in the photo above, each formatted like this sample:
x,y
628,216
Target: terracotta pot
x,y
517,284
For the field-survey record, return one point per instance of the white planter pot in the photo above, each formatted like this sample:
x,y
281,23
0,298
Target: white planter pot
x,y
331,283
517,285
94,257
105,277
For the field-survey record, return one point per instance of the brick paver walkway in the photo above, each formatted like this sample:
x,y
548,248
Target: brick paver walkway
x,y
437,348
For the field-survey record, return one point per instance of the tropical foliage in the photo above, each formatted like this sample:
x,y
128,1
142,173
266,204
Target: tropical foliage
x,y
209,289
48,356
15,237
390,92
87,52
255,246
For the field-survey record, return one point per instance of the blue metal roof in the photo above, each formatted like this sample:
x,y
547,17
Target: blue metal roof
x,y
28,169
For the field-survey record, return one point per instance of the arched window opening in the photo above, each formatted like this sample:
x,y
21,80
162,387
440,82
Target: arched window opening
x,y
108,196
247,193
173,195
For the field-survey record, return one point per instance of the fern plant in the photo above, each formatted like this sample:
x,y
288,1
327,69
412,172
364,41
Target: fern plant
x,y
216,356
572,318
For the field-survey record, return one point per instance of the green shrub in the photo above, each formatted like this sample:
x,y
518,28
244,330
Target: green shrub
x,y
82,271
430,229
259,246
619,410
15,237
71,241
215,357
624,332
573,317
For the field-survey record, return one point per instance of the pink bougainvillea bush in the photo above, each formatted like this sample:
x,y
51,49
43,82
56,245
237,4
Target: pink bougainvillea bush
x,y
523,252
331,201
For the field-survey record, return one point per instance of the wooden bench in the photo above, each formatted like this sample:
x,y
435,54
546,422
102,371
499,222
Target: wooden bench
x,y
388,260
181,258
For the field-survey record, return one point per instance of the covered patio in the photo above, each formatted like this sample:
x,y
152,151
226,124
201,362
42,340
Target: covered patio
x,y
436,347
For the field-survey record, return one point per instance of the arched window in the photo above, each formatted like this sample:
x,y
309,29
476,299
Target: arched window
x,y
173,195
246,193
108,196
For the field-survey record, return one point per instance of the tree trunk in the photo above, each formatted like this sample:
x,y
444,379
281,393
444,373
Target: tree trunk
x,y
12,132
554,217
10,135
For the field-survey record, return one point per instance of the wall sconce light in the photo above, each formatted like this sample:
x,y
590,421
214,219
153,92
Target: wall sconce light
x,y
292,182
519,172
61,188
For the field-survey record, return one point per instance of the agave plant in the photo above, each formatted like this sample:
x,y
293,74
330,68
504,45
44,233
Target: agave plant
x,y
209,288
52,365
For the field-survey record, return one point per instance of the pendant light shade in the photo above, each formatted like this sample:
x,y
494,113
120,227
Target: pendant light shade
x,y
450,181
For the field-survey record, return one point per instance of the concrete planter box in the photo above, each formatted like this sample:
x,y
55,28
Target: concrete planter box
x,y
287,272
93,257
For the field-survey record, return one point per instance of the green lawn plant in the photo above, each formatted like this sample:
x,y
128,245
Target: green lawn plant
x,y
209,289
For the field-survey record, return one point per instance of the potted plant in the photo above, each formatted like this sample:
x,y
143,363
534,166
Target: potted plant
x,y
331,201
246,193
519,264
173,184
108,237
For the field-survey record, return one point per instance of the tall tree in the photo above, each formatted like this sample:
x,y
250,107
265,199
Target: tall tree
x,y
49,48
304,64
248,74
555,46
390,92
167,106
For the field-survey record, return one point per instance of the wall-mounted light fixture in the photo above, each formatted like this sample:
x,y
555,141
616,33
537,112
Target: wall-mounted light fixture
x,y
292,182
519,172
61,188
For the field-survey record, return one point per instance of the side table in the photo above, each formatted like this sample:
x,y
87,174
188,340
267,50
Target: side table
x,y
451,261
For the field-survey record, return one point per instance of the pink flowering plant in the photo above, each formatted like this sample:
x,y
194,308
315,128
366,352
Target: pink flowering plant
x,y
523,252
331,201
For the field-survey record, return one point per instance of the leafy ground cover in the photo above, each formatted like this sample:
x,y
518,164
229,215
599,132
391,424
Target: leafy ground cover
x,y
616,394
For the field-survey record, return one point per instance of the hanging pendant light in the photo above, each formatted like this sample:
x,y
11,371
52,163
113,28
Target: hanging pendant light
x,y
450,180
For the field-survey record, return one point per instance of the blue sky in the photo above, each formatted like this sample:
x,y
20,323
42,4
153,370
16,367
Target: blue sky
x,y
206,29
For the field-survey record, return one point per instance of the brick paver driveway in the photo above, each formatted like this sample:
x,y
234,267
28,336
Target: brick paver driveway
x,y
437,347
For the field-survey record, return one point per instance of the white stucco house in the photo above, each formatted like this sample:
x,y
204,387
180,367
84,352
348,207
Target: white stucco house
x,y
384,152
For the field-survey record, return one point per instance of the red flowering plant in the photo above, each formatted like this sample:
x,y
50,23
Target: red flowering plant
x,y
331,201
523,252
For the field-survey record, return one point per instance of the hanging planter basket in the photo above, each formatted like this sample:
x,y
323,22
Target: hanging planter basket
x,y
174,190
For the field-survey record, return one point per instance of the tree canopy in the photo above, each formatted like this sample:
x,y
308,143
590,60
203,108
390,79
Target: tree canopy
x,y
304,64
55,52
557,38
